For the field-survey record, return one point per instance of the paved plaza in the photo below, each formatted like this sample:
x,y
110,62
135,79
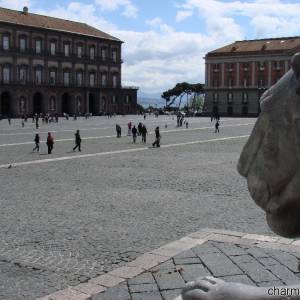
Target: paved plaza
x,y
69,217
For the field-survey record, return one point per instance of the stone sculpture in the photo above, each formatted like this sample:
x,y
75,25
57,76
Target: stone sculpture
x,y
270,163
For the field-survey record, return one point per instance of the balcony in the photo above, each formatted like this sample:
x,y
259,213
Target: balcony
x,y
59,55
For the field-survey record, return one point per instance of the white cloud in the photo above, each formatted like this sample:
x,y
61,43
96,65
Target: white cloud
x,y
15,4
184,14
157,23
129,9
267,17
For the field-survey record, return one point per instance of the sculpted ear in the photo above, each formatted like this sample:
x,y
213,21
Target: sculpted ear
x,y
296,64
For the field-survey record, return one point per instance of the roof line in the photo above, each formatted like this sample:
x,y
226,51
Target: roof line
x,y
270,39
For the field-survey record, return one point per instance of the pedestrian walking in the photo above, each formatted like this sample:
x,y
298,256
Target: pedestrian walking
x,y
50,142
23,123
77,141
157,138
144,133
37,143
9,120
118,130
186,124
217,125
140,125
144,116
129,128
134,134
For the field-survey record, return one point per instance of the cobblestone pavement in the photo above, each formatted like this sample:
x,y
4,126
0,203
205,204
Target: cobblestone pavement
x,y
65,222
252,259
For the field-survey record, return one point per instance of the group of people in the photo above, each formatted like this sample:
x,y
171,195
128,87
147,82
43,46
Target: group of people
x,y
50,142
139,130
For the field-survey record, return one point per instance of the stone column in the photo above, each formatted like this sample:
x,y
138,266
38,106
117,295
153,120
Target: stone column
x,y
253,73
208,83
286,66
237,74
222,74
269,73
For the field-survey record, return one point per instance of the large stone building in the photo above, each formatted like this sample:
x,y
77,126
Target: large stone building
x,y
53,66
237,74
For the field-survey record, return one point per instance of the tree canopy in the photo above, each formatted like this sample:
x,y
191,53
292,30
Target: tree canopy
x,y
180,90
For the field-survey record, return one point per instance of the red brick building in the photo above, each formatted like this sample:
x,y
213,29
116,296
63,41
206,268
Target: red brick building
x,y
237,74
50,65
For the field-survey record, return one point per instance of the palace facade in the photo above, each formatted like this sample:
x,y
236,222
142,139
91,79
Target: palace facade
x,y
236,75
56,66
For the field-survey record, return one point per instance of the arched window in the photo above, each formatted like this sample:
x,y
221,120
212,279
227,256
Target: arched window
x,y
114,100
127,99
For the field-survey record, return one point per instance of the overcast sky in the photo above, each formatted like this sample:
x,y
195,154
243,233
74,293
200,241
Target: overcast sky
x,y
166,40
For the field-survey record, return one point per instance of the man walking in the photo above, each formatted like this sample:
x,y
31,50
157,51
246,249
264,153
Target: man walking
x,y
37,143
157,138
217,126
50,142
134,133
118,130
77,141
144,133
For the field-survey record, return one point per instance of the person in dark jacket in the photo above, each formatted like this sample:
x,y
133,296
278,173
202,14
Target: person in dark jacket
x,y
77,141
134,133
119,130
157,138
140,125
37,143
50,142
144,133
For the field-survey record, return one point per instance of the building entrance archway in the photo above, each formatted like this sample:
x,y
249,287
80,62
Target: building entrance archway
x,y
37,103
92,103
66,104
6,104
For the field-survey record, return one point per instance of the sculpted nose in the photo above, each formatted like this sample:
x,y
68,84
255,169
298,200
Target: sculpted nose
x,y
252,146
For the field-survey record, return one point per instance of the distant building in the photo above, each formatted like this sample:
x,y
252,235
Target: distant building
x,y
50,65
236,75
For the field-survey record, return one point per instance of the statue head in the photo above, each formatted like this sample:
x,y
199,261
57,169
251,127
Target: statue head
x,y
270,159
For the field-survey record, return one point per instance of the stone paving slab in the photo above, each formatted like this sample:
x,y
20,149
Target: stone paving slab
x,y
218,254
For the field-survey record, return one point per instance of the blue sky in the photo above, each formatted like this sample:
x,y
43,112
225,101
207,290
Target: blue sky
x,y
166,40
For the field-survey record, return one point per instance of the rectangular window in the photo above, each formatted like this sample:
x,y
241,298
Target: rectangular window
x,y
22,44
67,49
66,78
38,76
103,79
92,79
103,54
92,53
38,46
22,75
114,55
52,48
6,74
79,51
115,81
52,77
79,79
6,42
